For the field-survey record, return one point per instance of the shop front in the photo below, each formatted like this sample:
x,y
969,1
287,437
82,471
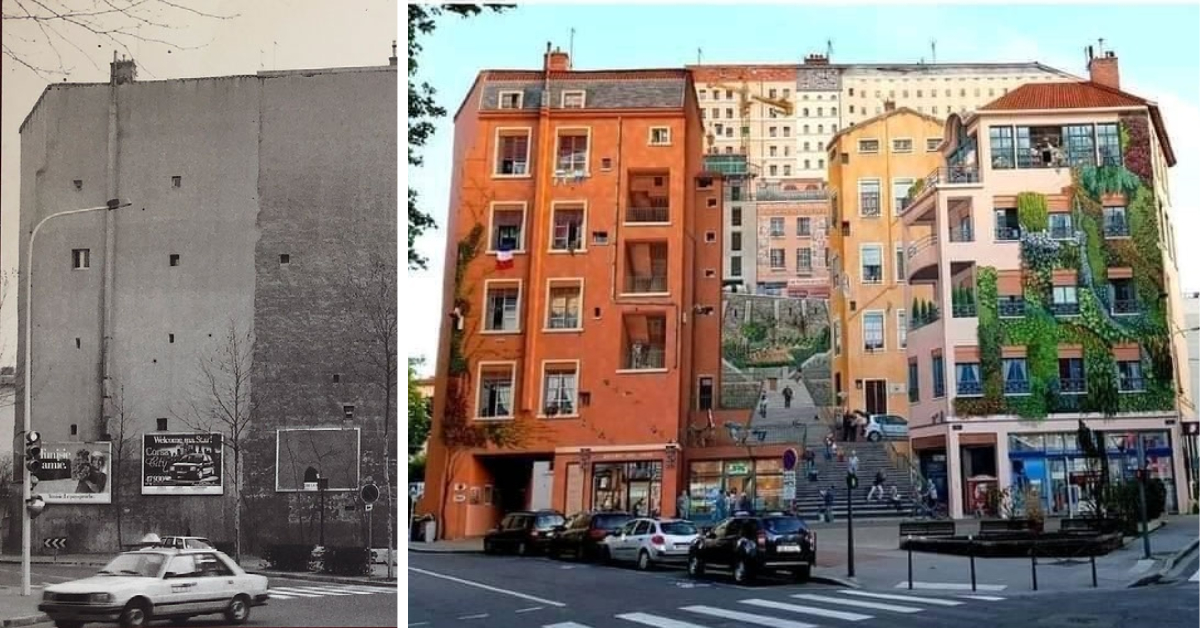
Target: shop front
x,y
636,479
716,487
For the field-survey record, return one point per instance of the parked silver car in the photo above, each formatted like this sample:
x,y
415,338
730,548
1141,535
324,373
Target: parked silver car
x,y
650,542
881,426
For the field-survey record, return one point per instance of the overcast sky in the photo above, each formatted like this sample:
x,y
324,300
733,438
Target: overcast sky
x,y
263,34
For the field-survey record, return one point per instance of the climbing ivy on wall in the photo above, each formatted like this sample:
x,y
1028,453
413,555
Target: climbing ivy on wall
x,y
1095,329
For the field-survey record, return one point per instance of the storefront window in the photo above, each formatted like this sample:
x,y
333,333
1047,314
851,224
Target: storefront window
x,y
634,487
769,485
1056,442
705,490
1025,442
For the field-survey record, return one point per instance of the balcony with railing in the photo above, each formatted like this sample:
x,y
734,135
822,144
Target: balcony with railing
x,y
962,233
789,192
922,257
946,176
646,268
1072,386
1131,384
642,357
1016,387
1005,233
1067,403
1126,306
1011,307
1062,231
869,204
648,210
970,389
1116,226
1065,308
646,284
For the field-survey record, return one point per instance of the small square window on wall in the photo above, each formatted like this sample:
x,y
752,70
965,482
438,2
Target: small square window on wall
x,y
284,259
78,343
74,429
710,236
174,259
176,181
78,183
162,425
171,338
348,411
81,258
660,136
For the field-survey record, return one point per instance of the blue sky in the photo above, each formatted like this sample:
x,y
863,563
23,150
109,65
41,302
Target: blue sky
x,y
1157,46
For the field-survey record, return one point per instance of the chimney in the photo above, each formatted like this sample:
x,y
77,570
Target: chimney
x,y
889,105
557,61
1104,70
122,71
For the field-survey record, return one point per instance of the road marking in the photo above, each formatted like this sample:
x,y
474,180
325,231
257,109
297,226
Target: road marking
x,y
952,586
275,595
420,623
748,618
566,624
657,621
318,591
486,587
985,598
879,606
810,610
352,591
293,592
902,598
1195,577
529,610
479,616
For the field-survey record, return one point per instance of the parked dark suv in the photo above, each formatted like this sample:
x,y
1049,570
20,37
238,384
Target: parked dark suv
x,y
524,532
581,536
752,544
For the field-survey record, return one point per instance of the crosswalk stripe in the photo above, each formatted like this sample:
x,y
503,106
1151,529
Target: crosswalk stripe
x,y
565,624
318,591
880,606
360,590
657,621
1195,577
902,598
748,618
350,591
294,592
810,610
275,595
985,598
952,586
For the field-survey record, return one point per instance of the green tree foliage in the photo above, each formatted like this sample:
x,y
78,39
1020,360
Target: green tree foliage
x,y
423,109
418,411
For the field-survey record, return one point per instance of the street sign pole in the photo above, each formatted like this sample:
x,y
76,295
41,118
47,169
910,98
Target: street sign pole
x,y
370,542
1141,480
851,484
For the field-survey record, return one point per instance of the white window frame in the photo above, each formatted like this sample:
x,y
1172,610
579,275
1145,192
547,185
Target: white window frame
x,y
901,329
520,99
771,259
664,129
502,131
507,206
560,282
862,277
479,368
771,222
81,259
554,207
892,199
562,98
541,409
911,146
587,153
858,197
930,146
868,152
483,322
882,314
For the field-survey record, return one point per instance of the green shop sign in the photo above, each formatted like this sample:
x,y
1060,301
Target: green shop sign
x,y
740,467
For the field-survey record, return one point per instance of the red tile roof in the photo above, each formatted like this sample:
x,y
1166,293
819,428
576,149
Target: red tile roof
x,y
1079,95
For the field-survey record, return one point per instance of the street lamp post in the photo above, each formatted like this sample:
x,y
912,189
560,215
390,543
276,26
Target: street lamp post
x,y
27,490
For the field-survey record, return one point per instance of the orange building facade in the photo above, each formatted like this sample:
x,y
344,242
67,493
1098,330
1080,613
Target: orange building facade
x,y
582,318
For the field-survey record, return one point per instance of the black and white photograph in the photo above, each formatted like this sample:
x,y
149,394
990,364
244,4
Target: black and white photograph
x,y
182,464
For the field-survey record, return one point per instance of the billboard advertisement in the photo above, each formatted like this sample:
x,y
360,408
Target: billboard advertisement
x,y
75,473
182,464
303,455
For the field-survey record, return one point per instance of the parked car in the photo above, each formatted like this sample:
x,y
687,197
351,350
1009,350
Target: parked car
x,y
650,542
581,536
524,532
184,542
753,544
138,587
194,469
881,426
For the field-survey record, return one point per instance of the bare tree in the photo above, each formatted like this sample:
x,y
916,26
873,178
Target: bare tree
x,y
122,432
372,286
36,31
221,404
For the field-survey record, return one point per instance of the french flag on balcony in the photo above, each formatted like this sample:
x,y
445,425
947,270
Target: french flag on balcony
x,y
504,256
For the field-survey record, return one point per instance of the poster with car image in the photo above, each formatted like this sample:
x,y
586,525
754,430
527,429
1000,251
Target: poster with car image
x,y
75,473
182,464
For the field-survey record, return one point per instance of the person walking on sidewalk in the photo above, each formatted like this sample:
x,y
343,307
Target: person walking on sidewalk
x,y
877,486
787,396
827,500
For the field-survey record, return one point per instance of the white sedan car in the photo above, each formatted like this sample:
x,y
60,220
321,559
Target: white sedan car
x,y
157,583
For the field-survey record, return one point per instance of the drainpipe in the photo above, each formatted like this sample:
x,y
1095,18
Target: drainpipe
x,y
110,238
541,168
616,246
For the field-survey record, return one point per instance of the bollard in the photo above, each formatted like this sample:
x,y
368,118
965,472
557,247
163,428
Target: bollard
x,y
910,562
1094,584
1033,564
971,553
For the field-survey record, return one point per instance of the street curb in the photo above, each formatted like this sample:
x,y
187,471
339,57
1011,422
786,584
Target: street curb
x,y
836,581
430,550
308,577
1151,528
1167,565
27,620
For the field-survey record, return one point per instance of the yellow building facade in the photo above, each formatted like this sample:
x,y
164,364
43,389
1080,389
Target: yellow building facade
x,y
872,166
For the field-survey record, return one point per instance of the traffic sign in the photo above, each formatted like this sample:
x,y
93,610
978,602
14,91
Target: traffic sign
x,y
369,493
55,542
789,459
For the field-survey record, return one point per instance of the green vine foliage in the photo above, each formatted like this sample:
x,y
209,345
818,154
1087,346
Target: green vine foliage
x,y
1032,211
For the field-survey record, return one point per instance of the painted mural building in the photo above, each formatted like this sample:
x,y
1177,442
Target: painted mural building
x,y
1052,262
232,269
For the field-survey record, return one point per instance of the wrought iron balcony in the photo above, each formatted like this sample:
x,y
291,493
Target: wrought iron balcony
x,y
868,204
657,211
1065,309
1062,232
1068,403
1012,308
1131,384
1125,306
970,389
1072,386
564,321
1116,228
964,310
804,271
1008,234
646,284
641,358
1016,387
963,233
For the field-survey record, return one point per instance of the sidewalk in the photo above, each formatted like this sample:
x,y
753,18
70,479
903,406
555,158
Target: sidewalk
x,y
18,609
460,546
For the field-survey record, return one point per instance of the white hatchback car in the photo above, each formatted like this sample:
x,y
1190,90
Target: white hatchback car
x,y
881,426
157,583
649,542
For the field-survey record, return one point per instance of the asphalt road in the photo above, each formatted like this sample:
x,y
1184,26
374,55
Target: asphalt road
x,y
511,592
294,602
